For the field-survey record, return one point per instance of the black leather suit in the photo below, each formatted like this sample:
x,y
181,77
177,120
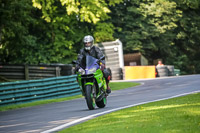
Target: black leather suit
x,y
95,52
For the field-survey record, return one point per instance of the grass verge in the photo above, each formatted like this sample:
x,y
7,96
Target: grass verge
x,y
122,85
113,85
177,115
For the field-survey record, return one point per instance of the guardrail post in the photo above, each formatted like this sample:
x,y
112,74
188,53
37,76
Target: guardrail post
x,y
57,71
26,72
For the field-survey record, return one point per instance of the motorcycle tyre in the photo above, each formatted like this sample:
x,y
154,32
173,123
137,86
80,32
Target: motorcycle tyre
x,y
102,103
89,97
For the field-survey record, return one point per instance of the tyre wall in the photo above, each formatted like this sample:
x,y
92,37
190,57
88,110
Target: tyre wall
x,y
165,71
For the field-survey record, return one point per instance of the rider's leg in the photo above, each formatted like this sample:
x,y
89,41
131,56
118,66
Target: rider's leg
x,y
107,76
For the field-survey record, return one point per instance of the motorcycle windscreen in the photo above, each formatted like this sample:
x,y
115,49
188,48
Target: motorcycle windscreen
x,y
88,61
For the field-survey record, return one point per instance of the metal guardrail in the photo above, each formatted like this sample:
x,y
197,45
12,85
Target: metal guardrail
x,y
30,72
32,90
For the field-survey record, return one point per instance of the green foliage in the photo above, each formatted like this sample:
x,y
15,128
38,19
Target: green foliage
x,y
14,33
165,29
50,31
104,32
88,10
188,32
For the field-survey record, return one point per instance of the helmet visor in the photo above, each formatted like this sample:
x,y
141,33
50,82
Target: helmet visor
x,y
88,44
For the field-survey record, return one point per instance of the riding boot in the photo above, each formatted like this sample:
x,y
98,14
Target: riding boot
x,y
108,90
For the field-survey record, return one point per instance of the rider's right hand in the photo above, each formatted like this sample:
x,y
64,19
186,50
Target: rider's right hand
x,y
76,68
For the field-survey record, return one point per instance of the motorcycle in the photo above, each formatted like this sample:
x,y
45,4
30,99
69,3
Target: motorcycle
x,y
92,82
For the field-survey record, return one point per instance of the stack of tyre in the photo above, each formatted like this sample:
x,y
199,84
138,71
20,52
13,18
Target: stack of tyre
x,y
165,71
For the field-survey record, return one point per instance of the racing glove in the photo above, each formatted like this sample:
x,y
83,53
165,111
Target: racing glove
x,y
102,66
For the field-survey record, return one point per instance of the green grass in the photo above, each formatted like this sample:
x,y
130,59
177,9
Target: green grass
x,y
122,85
177,115
113,85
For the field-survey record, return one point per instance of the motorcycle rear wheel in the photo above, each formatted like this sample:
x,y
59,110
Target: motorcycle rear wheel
x,y
89,97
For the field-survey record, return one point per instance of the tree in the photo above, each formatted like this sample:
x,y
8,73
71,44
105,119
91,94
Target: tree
x,y
164,29
149,26
50,31
187,37
14,29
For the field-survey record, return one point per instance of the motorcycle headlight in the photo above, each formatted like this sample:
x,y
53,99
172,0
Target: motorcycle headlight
x,y
81,71
92,70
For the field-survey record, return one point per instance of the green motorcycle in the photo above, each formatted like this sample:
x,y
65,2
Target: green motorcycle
x,y
92,82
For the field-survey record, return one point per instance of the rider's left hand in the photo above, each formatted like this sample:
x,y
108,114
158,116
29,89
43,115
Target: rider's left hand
x,y
102,66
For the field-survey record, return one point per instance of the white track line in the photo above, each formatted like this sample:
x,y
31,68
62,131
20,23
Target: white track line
x,y
108,111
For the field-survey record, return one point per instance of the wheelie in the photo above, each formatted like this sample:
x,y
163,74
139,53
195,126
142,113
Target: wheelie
x,y
93,77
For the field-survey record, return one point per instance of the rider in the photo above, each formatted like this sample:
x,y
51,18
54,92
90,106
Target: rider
x,y
90,49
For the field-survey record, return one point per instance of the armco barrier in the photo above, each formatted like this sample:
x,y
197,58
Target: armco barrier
x,y
32,90
31,72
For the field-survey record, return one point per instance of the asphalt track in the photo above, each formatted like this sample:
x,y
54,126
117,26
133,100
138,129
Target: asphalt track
x,y
55,116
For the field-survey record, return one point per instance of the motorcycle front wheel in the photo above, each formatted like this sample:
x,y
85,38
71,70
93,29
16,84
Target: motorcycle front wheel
x,y
89,97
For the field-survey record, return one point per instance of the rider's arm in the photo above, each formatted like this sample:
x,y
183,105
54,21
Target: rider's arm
x,y
99,54
80,56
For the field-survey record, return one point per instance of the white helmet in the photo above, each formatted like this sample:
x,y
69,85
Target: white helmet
x,y
88,42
